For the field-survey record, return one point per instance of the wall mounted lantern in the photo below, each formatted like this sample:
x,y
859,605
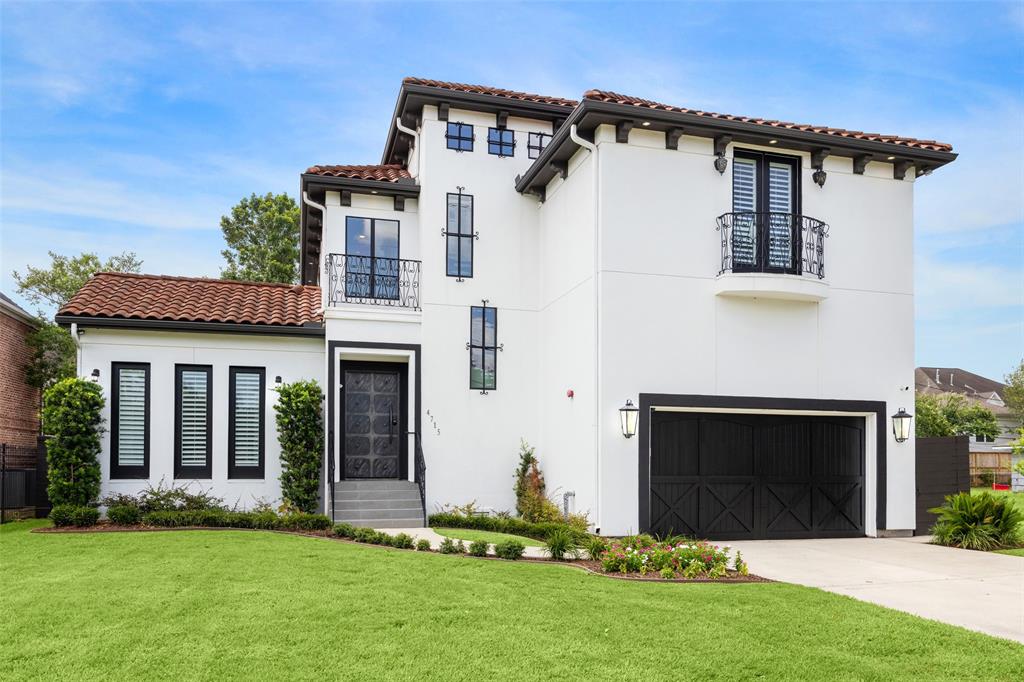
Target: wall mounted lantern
x,y
628,415
721,163
901,425
95,376
819,177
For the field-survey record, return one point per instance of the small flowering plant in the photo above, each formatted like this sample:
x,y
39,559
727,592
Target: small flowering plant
x,y
643,554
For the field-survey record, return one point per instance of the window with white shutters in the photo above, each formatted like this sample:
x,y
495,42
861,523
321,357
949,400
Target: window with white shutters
x,y
246,404
129,410
193,421
765,204
744,199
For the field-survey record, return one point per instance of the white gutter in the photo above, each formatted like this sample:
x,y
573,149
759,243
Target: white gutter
x,y
323,212
592,148
415,141
78,346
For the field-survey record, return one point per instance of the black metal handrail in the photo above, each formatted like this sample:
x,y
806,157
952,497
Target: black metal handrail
x,y
420,464
393,282
772,242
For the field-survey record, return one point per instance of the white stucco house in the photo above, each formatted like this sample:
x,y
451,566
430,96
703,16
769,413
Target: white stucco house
x,y
519,267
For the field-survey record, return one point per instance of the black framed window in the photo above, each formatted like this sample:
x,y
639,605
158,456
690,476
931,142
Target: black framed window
x,y
535,144
984,439
766,195
193,421
460,137
371,258
129,420
501,141
459,235
246,412
483,348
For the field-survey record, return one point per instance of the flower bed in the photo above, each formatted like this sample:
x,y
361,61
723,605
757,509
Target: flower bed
x,y
671,559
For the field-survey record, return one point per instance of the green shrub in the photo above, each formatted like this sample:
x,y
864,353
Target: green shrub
x,y
402,541
85,516
165,498
344,530
124,515
740,565
668,573
717,570
509,549
300,430
63,515
72,416
596,546
561,544
423,545
478,548
497,524
981,522
694,569
450,546
264,520
367,535
304,521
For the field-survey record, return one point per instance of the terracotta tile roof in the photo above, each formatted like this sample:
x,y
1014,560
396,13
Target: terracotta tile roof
x,y
487,90
604,96
194,299
391,172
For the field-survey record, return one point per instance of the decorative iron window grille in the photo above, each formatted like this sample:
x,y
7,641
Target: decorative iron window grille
x,y
392,282
536,143
501,141
783,243
459,235
483,348
459,137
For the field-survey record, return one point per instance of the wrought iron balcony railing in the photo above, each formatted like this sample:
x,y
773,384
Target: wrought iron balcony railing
x,y
375,281
772,242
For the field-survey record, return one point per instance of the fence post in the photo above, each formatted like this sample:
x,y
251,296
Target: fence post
x,y
3,481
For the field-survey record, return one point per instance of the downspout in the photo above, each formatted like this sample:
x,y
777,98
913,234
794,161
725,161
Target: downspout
x,y
592,148
78,346
415,141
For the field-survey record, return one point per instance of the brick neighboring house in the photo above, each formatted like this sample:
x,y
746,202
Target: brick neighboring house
x,y
19,402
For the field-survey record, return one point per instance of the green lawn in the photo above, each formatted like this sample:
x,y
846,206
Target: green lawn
x,y
470,535
255,605
1012,552
1018,497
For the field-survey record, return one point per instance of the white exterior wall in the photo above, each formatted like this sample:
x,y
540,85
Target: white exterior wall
x,y
291,358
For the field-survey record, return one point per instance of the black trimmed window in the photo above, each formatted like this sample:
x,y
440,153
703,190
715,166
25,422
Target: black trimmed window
x,y
766,192
372,266
501,141
193,421
984,439
129,417
536,143
459,136
483,348
459,235
246,415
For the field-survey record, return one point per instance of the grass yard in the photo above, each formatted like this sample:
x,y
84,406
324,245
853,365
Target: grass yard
x,y
255,605
470,535
1012,552
1018,497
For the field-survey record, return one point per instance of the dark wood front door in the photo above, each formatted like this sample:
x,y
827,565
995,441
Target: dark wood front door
x,y
745,476
373,420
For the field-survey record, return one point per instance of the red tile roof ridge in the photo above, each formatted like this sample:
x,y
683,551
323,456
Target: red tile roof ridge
x,y
490,90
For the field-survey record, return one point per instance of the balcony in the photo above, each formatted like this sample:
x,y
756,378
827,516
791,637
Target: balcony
x,y
391,282
772,255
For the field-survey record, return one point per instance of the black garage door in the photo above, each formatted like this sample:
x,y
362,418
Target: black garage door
x,y
740,476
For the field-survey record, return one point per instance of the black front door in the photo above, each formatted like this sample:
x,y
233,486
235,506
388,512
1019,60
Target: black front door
x,y
748,476
373,420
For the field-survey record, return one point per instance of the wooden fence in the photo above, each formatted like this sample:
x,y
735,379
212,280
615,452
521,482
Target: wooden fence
x,y
942,469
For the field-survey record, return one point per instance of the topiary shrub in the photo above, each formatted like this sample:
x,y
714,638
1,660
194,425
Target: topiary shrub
x,y
402,541
509,549
85,516
300,431
478,548
124,515
423,545
344,530
307,522
63,515
71,416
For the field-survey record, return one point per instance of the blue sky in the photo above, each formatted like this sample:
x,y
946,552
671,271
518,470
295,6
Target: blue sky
x,y
137,125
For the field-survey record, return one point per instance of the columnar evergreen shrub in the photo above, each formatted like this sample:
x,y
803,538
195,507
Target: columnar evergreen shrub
x,y
71,416
300,431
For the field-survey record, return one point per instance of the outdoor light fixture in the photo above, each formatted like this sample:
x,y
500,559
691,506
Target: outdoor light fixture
x,y
819,177
773,141
628,414
901,425
277,380
96,375
646,124
721,163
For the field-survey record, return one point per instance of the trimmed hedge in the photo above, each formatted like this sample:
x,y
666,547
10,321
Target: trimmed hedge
x,y
124,515
64,515
497,524
219,518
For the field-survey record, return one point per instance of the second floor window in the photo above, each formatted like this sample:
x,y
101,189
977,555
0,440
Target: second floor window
x,y
535,144
371,260
501,141
460,137
483,348
459,235
765,189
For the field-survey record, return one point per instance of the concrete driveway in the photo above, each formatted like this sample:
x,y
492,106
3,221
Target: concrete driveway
x,y
975,590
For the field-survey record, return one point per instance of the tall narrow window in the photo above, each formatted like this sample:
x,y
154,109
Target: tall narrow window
x,y
483,348
501,141
459,235
193,421
371,258
535,144
129,416
765,199
246,405
460,137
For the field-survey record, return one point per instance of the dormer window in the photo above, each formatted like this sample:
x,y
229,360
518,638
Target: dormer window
x,y
535,144
501,141
460,137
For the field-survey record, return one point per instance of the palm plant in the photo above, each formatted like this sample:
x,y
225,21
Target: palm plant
x,y
982,522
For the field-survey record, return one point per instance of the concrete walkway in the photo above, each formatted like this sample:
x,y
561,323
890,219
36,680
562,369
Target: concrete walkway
x,y
436,539
975,590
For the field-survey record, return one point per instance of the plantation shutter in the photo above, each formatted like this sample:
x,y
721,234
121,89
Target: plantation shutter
x,y
780,203
131,417
193,416
247,416
744,202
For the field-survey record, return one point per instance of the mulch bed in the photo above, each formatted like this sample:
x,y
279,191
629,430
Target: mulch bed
x,y
588,565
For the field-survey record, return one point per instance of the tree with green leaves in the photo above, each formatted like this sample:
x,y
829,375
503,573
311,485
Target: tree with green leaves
x,y
1013,394
950,414
262,235
300,431
53,355
56,284
72,417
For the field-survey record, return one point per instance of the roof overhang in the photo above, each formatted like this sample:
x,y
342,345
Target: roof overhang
x,y
309,329
592,113
412,98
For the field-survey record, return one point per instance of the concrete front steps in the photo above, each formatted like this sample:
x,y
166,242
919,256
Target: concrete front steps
x,y
378,504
